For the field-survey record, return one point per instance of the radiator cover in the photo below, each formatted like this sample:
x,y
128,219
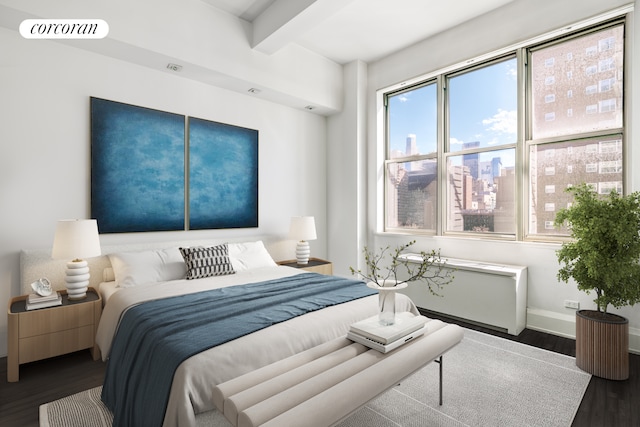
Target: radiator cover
x,y
494,295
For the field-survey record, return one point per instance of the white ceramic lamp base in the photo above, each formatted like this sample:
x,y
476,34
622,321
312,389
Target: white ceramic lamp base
x,y
77,279
302,252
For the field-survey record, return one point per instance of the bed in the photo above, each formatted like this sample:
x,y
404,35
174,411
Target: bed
x,y
131,278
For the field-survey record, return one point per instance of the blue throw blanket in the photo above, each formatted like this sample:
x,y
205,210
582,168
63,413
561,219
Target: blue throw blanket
x,y
155,337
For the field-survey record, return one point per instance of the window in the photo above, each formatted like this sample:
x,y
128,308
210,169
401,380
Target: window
x,y
606,65
457,143
595,163
610,166
482,111
607,105
608,187
606,44
411,184
591,140
413,122
591,168
606,85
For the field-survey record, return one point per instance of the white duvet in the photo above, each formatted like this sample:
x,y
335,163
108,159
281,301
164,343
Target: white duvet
x,y
195,378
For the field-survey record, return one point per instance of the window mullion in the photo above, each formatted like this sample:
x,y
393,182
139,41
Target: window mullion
x,y
442,147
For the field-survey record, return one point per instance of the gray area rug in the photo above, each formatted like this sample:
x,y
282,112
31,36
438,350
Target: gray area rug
x,y
488,381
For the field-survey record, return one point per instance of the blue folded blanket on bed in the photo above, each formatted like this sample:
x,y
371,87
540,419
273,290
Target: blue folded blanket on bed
x,y
155,337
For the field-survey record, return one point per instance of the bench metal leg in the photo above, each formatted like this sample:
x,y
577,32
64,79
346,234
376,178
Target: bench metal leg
x,y
439,362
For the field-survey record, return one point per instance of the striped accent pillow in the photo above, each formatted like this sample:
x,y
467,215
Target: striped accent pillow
x,y
206,262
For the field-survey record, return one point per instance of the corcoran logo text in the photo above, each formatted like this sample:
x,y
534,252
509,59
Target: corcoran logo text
x,y
64,29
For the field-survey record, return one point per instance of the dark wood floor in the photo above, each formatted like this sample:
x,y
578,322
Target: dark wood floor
x,y
605,404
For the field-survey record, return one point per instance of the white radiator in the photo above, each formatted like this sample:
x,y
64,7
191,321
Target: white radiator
x,y
493,295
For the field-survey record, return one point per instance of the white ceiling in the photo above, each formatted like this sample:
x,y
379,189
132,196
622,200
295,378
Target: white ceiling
x,y
348,30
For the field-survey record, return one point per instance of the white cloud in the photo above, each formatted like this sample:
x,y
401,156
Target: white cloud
x,y
502,122
455,141
403,98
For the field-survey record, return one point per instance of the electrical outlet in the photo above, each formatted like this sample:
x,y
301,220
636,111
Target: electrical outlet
x,y
572,304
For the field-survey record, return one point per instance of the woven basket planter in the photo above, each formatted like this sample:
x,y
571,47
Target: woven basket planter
x,y
602,344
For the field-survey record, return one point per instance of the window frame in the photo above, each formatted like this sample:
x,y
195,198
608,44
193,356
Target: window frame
x,y
530,141
419,157
524,141
447,153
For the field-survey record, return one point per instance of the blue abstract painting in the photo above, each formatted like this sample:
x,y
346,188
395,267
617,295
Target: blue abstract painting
x,y
137,168
223,175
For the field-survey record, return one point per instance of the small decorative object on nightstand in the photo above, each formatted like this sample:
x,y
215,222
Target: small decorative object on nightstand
x,y
42,287
53,331
314,265
303,228
75,239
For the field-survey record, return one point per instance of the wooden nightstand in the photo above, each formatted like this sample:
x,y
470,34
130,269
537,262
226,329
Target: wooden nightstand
x,y
48,332
315,265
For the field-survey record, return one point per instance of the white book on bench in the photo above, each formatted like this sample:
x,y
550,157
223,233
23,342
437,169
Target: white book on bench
x,y
405,324
385,348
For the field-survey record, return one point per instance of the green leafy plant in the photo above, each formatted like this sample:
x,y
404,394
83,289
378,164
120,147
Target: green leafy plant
x,y
389,265
604,253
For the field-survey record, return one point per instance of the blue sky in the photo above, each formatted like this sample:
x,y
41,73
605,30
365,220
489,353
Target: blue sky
x,y
483,108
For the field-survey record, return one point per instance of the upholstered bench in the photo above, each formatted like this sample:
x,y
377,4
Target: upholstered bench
x,y
323,385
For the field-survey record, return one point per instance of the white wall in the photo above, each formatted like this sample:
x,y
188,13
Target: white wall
x,y
517,21
45,148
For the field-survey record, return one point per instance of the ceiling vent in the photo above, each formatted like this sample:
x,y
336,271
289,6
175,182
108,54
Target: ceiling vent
x,y
174,67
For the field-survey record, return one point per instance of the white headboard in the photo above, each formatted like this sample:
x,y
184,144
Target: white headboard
x,y
38,263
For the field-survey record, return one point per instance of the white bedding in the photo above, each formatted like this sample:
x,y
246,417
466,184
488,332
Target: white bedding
x,y
193,382
107,289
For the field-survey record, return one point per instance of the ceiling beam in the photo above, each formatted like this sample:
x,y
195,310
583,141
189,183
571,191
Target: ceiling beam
x,y
283,21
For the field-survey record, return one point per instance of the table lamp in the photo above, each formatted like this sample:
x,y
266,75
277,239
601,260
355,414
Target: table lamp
x,y
76,239
303,228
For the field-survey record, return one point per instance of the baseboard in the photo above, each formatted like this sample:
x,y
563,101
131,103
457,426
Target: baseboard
x,y
564,325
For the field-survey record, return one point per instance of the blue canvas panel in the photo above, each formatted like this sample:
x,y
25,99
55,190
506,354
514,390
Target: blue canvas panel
x,y
223,175
137,168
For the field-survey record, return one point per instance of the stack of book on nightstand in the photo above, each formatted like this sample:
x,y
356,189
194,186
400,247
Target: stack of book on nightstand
x,y
35,301
384,338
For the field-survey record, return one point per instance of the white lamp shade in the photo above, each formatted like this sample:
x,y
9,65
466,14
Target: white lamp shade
x,y
303,228
76,238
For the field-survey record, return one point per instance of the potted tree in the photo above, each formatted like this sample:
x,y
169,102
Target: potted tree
x,y
399,269
602,257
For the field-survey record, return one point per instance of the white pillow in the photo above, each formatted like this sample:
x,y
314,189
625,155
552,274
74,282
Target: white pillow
x,y
249,255
136,268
